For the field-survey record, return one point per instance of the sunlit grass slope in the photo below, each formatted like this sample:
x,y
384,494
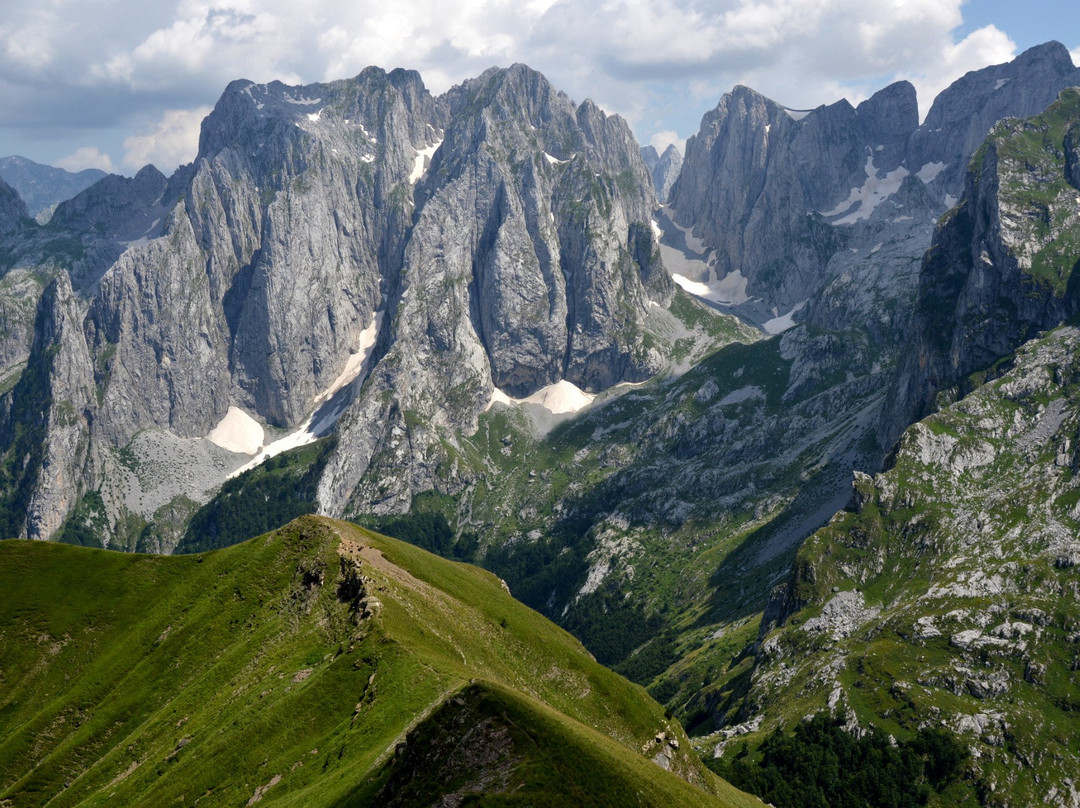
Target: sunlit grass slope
x,y
317,665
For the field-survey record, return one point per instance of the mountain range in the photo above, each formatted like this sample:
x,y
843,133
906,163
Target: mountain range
x,y
761,424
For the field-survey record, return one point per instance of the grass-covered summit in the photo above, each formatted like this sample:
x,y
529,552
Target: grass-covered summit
x,y
319,665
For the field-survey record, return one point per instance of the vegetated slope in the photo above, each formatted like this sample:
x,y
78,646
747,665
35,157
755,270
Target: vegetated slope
x,y
949,595
317,665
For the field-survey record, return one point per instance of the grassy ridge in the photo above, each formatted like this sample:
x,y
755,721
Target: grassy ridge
x,y
248,672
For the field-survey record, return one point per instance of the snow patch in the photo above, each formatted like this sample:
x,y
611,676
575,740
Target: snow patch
x,y
499,397
741,395
367,158
554,160
355,363
784,321
867,197
1000,83
656,229
928,173
950,201
301,101
314,116
422,161
728,291
561,397
238,432
324,415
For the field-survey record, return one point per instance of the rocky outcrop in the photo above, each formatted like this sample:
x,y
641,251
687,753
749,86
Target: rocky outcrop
x,y
73,395
930,600
1002,264
664,168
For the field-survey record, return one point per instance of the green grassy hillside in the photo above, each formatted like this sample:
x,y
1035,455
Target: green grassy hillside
x,y
317,665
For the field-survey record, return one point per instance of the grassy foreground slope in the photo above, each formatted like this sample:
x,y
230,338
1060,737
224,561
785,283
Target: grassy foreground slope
x,y
317,665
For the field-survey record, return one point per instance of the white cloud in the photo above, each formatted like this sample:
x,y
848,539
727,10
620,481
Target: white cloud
x,y
171,141
27,41
86,157
660,63
661,140
1075,54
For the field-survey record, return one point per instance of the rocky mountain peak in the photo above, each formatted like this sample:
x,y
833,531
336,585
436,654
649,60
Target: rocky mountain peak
x,y
12,208
887,119
963,113
892,110
42,187
664,168
115,207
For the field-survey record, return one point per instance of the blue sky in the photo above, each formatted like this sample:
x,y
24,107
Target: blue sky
x,y
119,83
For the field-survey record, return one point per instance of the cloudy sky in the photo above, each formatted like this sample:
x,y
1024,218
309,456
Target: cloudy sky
x,y
116,84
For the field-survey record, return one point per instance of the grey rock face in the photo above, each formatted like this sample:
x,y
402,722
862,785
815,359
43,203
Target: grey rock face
x,y
515,254
43,428
764,189
71,381
964,113
44,187
20,291
1001,266
784,204
277,255
664,168
530,261
116,208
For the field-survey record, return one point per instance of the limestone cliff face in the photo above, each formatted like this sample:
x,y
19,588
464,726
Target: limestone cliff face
x,y
762,188
59,337
963,114
501,233
272,262
530,261
664,168
1002,264
44,426
785,198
